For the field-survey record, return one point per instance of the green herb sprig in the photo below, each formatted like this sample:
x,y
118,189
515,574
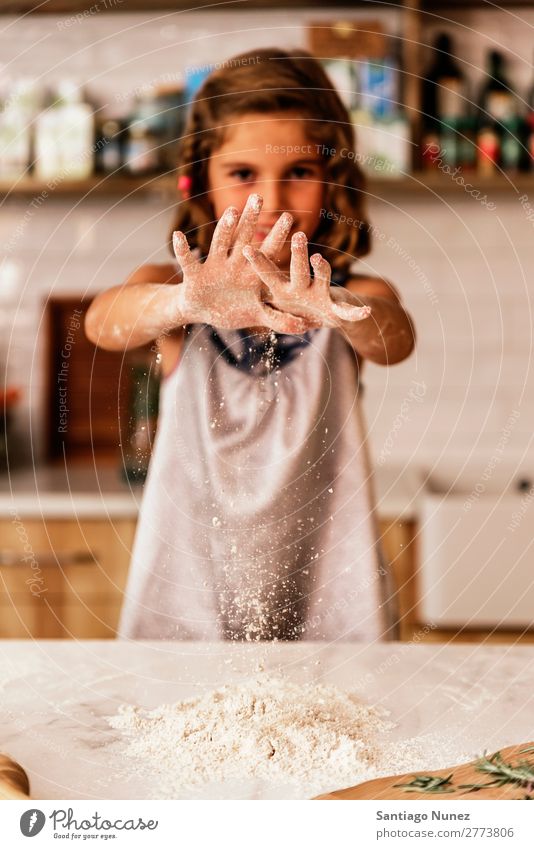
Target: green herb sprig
x,y
521,773
428,784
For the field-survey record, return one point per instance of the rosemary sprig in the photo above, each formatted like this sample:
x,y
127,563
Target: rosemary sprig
x,y
524,751
428,784
521,773
503,773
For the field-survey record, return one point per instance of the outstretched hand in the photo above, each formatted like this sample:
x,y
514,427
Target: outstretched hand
x,y
224,291
301,294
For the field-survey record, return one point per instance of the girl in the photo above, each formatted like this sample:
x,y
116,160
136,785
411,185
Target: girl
x,y
257,518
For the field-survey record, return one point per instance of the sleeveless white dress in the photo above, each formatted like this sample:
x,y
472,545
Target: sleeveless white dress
x,y
257,520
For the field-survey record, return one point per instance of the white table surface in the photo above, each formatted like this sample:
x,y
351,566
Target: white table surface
x,y
55,696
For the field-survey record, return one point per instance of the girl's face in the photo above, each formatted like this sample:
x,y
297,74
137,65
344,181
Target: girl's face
x,y
269,154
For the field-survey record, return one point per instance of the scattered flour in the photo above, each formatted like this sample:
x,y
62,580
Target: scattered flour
x,y
311,736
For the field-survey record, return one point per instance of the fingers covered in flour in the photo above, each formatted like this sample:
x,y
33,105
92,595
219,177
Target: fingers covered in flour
x,y
276,239
265,268
224,233
321,273
343,305
299,268
346,312
182,251
282,322
247,223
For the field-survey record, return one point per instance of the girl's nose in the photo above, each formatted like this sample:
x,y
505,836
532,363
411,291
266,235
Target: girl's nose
x,y
273,193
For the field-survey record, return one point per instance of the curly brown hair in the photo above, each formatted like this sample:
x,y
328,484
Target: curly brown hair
x,y
272,80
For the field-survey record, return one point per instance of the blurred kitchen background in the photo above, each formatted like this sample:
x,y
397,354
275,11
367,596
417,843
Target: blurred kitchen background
x,y
93,99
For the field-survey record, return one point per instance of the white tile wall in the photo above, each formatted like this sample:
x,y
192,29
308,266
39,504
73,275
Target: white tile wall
x,y
115,54
464,272
474,350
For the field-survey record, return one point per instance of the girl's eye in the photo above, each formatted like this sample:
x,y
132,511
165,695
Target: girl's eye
x,y
243,174
301,172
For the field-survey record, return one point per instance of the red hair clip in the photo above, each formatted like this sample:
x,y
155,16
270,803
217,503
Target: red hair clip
x,y
184,184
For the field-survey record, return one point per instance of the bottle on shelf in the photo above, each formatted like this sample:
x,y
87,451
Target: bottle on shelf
x,y
467,143
110,145
64,136
449,142
171,109
489,147
383,138
511,144
19,108
497,99
499,130
444,83
142,154
443,105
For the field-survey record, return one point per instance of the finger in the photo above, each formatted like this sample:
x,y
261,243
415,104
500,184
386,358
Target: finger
x,y
265,268
276,239
248,223
282,322
345,307
346,312
299,267
182,251
321,272
224,231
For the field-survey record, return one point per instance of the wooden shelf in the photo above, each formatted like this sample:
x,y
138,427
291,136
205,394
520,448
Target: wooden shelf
x,y
72,7
490,5
421,182
99,184
165,184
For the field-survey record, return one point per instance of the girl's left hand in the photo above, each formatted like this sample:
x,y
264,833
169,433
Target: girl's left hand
x,y
302,294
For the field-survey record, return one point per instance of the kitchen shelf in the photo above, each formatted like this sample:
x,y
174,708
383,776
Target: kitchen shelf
x,y
417,183
71,7
423,181
100,184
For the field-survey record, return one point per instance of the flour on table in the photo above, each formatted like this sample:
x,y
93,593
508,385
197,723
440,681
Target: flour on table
x,y
267,728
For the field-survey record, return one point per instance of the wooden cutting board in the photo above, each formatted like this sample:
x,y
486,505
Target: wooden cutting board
x,y
14,783
467,773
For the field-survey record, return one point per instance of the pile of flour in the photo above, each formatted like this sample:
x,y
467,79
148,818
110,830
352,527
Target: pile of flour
x,y
268,728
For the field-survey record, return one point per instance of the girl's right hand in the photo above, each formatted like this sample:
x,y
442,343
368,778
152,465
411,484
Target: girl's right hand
x,y
223,291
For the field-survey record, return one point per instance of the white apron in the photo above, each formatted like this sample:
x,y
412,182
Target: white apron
x,y
257,520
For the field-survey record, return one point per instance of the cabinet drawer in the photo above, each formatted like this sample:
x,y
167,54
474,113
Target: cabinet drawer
x,y
50,619
92,554
30,619
63,578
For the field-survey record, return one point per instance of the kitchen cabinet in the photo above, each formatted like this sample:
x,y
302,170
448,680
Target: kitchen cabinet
x,y
82,568
66,578
398,541
79,524
63,577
